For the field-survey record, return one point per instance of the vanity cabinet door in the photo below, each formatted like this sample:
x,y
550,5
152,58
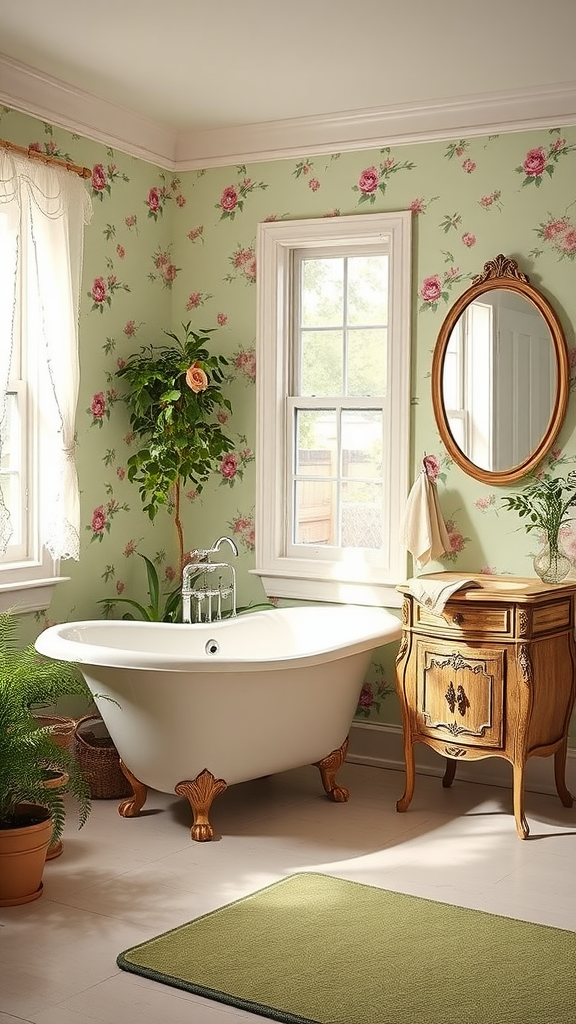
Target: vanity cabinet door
x,y
460,693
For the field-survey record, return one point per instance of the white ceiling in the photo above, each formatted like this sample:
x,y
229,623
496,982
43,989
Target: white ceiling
x,y
186,74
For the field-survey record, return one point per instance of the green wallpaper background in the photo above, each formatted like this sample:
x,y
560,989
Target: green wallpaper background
x,y
165,249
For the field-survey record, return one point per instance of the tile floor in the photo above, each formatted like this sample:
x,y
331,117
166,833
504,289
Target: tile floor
x,y
120,881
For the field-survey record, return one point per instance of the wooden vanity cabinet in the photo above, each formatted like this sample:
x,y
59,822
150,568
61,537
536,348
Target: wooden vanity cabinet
x,y
491,676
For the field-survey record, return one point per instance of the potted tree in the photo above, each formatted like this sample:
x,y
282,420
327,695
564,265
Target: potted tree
x,y
36,772
174,397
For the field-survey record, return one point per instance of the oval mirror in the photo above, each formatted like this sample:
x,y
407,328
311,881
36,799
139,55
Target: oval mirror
x,y
500,375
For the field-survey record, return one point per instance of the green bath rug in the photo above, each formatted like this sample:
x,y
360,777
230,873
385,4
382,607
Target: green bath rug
x,y
312,949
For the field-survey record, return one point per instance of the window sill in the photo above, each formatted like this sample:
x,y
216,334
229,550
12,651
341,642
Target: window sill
x,y
29,596
283,585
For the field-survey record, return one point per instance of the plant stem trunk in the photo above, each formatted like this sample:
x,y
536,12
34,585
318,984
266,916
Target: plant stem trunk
x,y
178,523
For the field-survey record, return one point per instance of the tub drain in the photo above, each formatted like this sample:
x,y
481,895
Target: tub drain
x,y
212,647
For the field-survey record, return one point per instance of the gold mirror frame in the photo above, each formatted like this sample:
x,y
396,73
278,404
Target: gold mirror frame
x,y
502,273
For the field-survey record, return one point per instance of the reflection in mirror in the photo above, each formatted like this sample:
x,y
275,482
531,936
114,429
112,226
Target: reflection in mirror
x,y
500,375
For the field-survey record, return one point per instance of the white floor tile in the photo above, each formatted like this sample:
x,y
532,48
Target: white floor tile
x,y
120,881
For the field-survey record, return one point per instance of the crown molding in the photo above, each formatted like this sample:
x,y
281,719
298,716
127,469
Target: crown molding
x,y
32,92
489,114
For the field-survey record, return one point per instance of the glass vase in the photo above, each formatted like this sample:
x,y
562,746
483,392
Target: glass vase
x,y
551,563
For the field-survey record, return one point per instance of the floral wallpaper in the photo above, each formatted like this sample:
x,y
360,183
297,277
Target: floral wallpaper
x,y
164,250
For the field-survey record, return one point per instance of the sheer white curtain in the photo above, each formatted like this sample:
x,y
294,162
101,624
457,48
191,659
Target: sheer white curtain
x,y
45,211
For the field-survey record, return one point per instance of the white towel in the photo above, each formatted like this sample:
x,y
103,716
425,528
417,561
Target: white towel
x,y
423,530
434,594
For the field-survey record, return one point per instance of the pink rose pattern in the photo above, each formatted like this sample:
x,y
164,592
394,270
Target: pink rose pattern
x,y
439,286
378,181
243,264
234,463
375,690
164,268
374,180
540,161
103,178
233,197
103,289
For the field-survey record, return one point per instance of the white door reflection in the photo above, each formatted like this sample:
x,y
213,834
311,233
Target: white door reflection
x,y
499,380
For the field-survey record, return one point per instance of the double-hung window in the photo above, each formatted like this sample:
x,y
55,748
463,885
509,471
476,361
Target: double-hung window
x,y
43,210
333,406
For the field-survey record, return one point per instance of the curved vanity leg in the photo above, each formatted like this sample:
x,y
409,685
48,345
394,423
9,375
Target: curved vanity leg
x,y
522,827
403,802
200,792
560,774
328,767
131,807
449,773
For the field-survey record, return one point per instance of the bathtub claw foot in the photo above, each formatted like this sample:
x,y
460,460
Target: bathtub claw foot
x,y
131,807
200,792
328,767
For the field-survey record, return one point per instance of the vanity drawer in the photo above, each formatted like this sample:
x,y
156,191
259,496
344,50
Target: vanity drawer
x,y
458,618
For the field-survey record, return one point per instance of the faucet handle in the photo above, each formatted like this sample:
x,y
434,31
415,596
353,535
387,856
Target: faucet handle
x,y
197,555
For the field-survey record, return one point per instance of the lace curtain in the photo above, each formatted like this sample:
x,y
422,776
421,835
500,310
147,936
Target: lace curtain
x,y
43,210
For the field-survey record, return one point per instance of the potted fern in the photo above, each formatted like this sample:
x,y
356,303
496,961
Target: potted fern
x,y
32,808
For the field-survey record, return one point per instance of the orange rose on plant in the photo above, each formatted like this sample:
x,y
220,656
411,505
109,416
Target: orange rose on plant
x,y
196,379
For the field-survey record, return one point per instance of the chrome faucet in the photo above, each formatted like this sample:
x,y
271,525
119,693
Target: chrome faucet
x,y
216,546
202,596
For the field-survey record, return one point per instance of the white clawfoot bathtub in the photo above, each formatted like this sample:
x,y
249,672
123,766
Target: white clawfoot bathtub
x,y
198,707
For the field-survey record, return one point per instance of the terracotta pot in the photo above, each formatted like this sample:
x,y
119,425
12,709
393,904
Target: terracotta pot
x,y
22,857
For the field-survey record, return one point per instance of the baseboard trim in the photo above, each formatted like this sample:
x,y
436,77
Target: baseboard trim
x,y
381,746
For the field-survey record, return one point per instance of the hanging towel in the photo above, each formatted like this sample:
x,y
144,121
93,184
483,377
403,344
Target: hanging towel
x,y
423,531
434,594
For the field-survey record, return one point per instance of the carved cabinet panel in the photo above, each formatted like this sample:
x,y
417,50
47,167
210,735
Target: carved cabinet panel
x,y
460,696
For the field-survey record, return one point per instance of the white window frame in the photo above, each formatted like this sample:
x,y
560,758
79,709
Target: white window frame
x,y
28,573
346,578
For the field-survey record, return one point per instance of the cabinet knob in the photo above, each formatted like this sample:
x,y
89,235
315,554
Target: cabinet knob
x,y
458,619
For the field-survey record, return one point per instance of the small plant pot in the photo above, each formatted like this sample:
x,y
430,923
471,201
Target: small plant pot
x,y
23,855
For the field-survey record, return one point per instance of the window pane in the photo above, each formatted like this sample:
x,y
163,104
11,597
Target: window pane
x,y
322,366
11,494
316,442
368,290
322,292
10,476
9,433
362,515
315,518
452,371
367,362
362,444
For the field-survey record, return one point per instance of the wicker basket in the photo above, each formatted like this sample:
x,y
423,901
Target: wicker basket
x,y
61,729
99,759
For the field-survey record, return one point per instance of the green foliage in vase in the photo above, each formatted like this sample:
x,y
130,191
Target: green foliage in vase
x,y
545,504
173,397
28,753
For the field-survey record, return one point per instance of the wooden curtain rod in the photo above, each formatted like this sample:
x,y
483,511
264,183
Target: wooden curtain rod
x,y
83,172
